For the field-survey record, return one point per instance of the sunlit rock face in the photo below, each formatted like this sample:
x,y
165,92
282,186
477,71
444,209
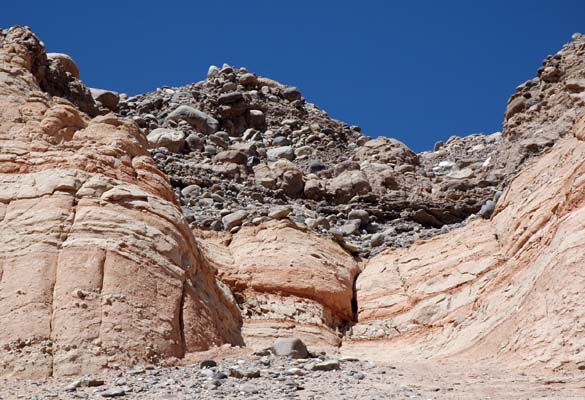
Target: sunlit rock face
x,y
509,288
289,282
98,266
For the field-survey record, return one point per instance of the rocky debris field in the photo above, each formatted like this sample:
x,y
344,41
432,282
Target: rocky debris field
x,y
241,149
264,375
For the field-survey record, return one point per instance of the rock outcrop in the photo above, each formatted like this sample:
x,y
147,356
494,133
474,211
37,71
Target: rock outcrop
x,y
275,220
288,282
508,288
98,266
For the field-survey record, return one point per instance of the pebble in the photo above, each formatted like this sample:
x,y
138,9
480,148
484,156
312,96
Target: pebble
x,y
327,365
280,213
114,392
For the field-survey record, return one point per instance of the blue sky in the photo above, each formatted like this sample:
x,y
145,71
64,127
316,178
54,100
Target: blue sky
x,y
419,71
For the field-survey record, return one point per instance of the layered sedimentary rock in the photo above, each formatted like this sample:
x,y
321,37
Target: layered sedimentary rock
x,y
509,288
288,282
97,266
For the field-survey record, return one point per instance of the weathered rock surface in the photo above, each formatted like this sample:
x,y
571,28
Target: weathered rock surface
x,y
98,266
480,241
288,282
508,288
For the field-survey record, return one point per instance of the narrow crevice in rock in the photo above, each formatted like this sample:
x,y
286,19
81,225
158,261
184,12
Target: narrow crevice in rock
x,y
181,321
354,301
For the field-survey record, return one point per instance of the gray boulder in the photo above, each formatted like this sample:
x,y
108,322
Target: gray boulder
x,y
277,153
291,93
290,347
234,219
107,98
197,119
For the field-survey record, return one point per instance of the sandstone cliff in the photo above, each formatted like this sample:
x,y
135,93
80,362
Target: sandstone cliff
x,y
286,234
508,288
98,266
288,282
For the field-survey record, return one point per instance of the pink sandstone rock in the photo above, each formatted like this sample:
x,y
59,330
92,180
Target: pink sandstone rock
x,y
289,282
98,266
508,289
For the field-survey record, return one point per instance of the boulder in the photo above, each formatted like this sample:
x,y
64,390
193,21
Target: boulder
x,y
280,213
283,152
292,182
516,105
326,365
234,219
212,72
194,142
304,151
197,119
107,98
280,141
66,62
291,93
361,215
350,227
348,185
316,166
256,119
387,151
231,156
314,189
230,98
290,347
248,79
551,74
172,139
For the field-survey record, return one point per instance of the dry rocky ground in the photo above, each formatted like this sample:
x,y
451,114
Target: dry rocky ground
x,y
246,376
143,235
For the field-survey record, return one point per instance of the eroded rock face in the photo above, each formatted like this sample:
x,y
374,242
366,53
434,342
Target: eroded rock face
x,y
100,268
508,288
288,281
98,265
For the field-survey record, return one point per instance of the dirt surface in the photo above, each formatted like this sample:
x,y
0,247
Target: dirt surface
x,y
277,380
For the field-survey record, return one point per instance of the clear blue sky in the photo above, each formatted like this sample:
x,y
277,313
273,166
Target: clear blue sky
x,y
419,71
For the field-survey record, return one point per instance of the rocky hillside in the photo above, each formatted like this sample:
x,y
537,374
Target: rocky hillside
x,y
232,211
241,149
